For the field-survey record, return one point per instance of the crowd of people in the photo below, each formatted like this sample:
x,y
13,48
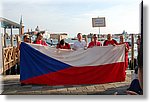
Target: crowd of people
x,y
79,44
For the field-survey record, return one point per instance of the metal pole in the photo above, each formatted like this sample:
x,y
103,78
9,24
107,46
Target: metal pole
x,y
132,52
59,38
11,36
99,30
20,30
4,37
140,54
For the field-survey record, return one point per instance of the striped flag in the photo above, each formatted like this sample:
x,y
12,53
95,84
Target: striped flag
x,y
44,65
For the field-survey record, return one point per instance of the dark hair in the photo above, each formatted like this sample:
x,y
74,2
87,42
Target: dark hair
x,y
38,34
36,37
79,34
25,36
94,35
62,42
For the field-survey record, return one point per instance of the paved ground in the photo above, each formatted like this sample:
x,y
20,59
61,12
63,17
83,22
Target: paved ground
x,y
11,86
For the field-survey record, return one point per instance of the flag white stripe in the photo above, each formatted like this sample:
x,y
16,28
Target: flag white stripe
x,y
90,57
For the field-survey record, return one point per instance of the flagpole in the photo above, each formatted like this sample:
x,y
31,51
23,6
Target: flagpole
x,y
99,30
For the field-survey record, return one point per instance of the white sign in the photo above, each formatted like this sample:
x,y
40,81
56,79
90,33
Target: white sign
x,y
98,22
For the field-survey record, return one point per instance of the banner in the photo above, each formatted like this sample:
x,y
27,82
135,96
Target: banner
x,y
44,65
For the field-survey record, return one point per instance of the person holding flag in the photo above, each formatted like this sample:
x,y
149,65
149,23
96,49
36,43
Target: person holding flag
x,y
80,44
110,41
95,42
39,39
126,49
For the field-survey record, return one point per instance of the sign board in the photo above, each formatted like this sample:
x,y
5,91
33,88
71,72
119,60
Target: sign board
x,y
55,36
98,22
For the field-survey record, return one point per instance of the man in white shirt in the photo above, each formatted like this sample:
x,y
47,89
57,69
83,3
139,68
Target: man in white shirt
x,y
79,44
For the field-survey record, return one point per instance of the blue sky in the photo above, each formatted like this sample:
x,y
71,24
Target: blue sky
x,y
73,16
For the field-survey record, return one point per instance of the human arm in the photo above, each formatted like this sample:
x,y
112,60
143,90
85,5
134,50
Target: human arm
x,y
74,46
115,42
104,44
127,47
90,45
68,45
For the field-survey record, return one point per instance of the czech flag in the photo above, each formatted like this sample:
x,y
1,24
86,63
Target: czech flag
x,y
50,66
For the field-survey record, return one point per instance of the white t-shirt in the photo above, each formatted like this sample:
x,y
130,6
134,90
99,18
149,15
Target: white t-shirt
x,y
79,45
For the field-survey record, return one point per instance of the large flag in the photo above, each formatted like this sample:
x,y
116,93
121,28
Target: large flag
x,y
44,65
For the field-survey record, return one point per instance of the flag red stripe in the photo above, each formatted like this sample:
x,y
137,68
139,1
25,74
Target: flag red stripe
x,y
82,75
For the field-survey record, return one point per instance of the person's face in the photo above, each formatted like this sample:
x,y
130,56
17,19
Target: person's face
x,y
79,37
121,38
139,37
40,37
95,37
109,37
35,32
26,39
